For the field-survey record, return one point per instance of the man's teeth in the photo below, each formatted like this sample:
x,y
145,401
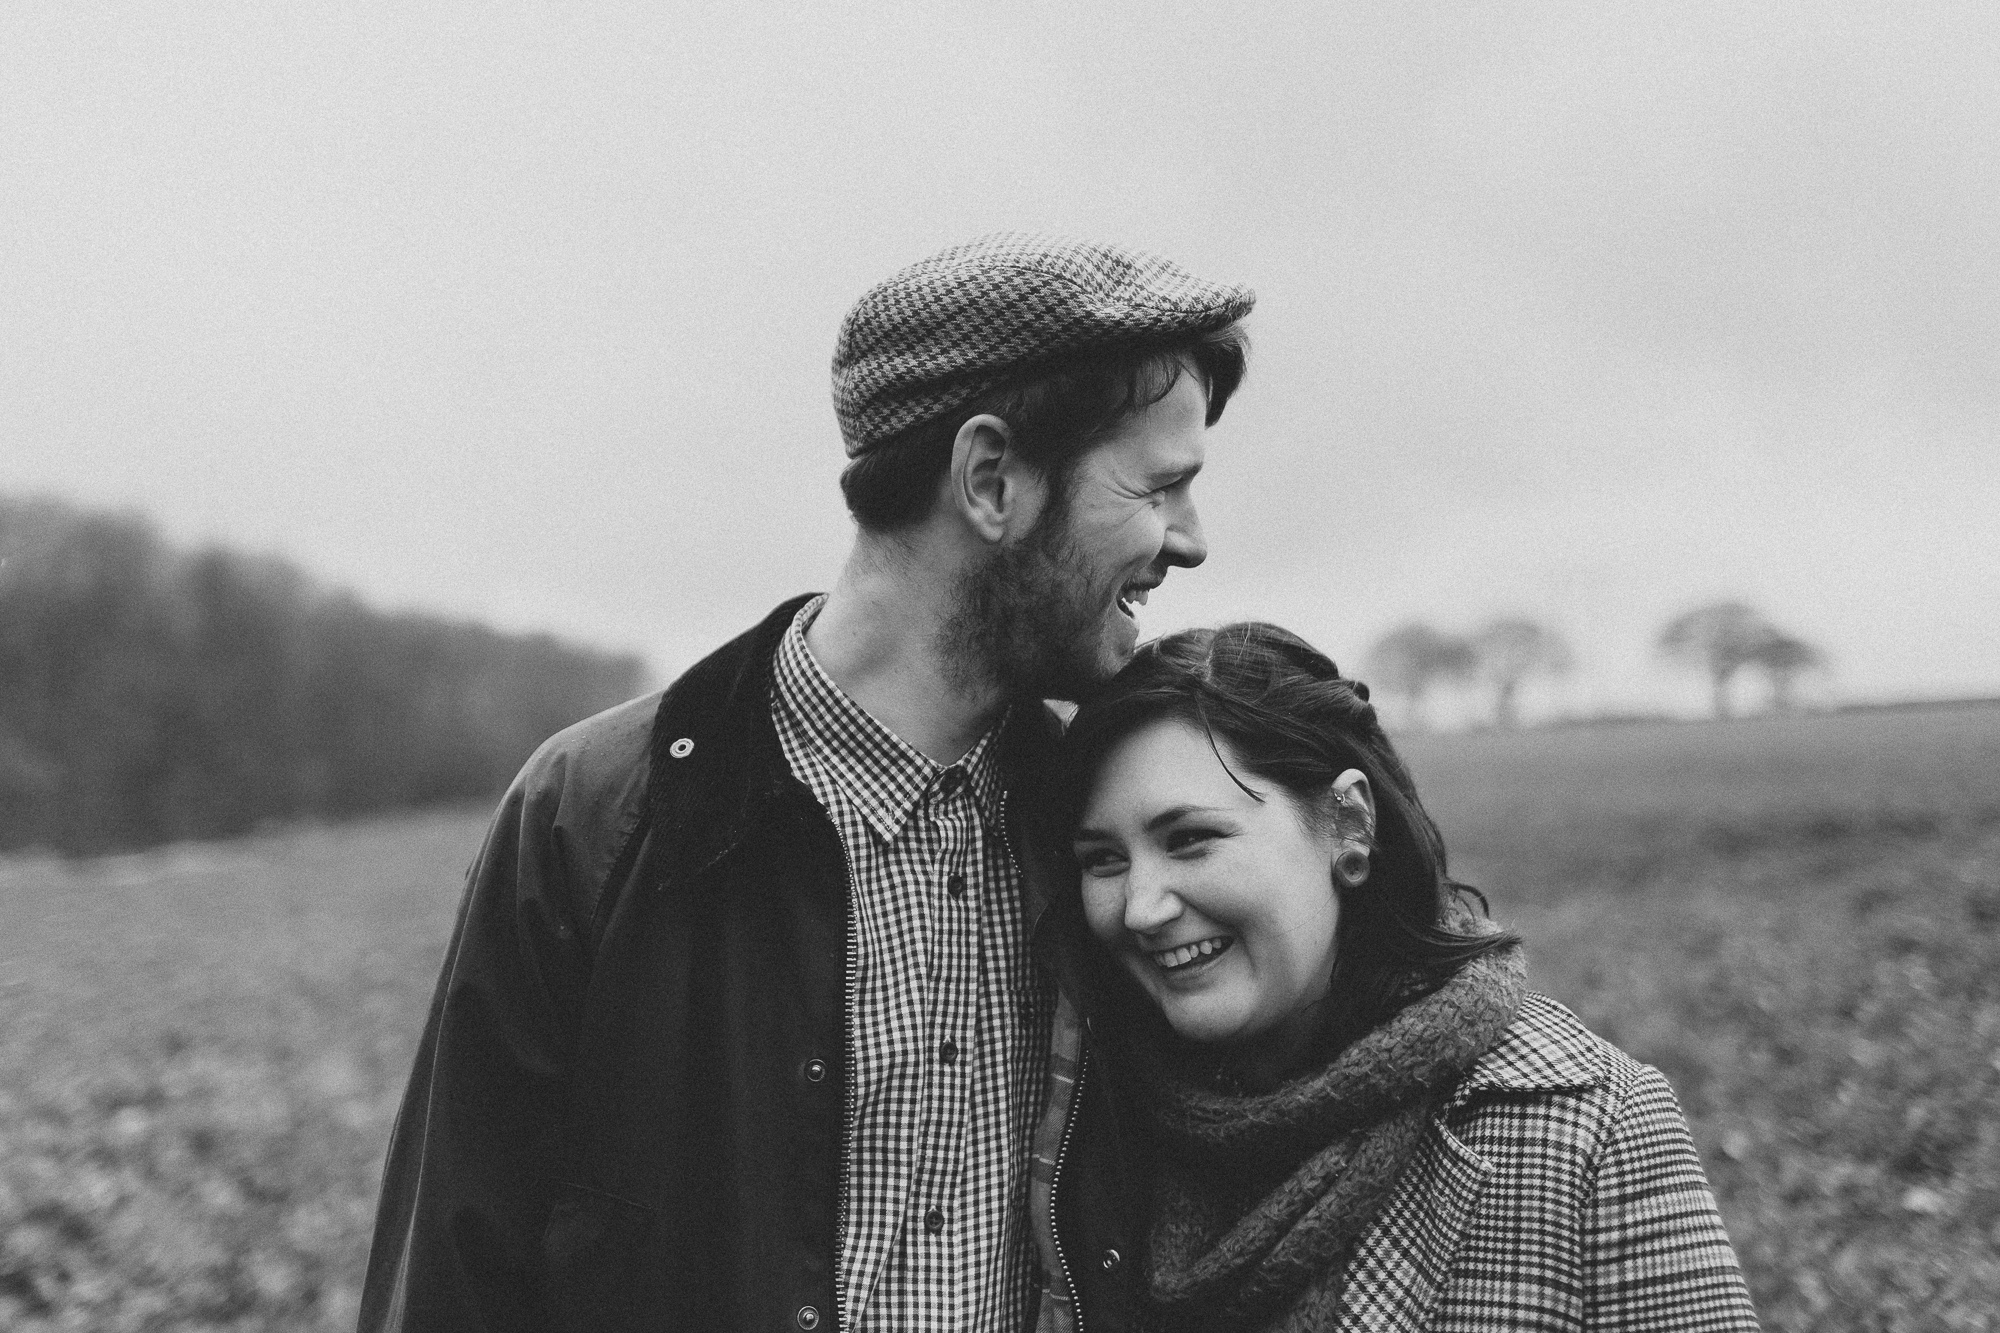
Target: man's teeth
x,y
1187,953
1136,596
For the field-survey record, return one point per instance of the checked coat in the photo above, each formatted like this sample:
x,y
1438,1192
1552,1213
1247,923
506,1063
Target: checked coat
x,y
1558,1189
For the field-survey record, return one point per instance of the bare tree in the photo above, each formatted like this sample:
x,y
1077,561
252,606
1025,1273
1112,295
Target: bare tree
x,y
1509,651
1410,659
1721,639
1784,659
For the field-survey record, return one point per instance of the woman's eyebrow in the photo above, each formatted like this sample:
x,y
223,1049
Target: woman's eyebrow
x,y
1176,812
1168,816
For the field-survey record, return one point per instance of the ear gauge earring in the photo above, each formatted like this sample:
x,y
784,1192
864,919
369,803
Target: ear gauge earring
x,y
1350,867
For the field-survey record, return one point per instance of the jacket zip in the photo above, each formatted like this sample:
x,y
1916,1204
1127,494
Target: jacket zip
x,y
1069,1111
1055,1186
851,980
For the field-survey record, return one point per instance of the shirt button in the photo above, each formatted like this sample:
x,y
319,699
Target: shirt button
x,y
808,1316
948,1051
934,1221
955,886
1110,1261
815,1070
948,783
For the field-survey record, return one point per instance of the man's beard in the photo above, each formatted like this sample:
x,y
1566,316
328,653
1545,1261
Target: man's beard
x,y
1026,619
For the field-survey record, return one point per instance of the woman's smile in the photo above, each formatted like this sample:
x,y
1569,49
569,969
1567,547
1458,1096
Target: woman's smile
x,y
1190,960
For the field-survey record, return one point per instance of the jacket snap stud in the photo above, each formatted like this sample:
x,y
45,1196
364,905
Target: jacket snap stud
x,y
808,1316
815,1070
681,749
1110,1260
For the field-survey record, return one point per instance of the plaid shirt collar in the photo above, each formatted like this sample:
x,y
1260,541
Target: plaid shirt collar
x,y
885,776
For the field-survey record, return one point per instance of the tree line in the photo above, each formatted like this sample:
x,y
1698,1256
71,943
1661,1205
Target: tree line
x,y
1722,640
149,693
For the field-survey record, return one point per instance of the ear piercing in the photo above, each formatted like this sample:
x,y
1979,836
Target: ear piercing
x,y
1350,866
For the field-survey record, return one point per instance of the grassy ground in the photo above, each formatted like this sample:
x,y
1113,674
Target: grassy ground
x,y
201,1058
1798,920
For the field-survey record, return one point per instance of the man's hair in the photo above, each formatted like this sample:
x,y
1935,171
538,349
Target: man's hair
x,y
1054,416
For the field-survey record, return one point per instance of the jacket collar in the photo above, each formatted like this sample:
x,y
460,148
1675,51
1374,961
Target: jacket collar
x,y
1545,1049
715,760
1406,1255
716,763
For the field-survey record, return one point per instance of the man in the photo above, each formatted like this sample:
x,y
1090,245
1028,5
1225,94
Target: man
x,y
739,1027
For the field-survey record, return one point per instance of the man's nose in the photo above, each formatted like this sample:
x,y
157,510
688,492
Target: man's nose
x,y
1185,545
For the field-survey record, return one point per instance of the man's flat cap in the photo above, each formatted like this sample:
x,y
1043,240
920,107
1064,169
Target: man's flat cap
x,y
968,319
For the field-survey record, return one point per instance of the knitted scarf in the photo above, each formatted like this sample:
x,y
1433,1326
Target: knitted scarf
x,y
1259,1199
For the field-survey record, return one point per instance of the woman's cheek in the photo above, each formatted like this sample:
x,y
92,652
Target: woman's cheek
x,y
1103,908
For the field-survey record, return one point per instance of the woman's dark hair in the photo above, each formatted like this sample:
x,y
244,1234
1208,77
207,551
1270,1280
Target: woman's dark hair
x,y
1289,717
1055,414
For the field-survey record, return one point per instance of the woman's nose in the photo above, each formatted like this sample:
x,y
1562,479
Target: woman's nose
x,y
1150,901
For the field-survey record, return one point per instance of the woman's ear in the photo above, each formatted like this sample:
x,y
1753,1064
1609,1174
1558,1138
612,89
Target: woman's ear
x,y
1354,805
1354,824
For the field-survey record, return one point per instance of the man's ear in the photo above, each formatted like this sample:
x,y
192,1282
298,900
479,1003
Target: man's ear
x,y
991,488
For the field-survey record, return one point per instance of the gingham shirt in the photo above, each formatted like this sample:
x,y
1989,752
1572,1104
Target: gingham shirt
x,y
947,1017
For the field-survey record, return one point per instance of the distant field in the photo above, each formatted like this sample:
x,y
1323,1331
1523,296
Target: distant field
x,y
1798,919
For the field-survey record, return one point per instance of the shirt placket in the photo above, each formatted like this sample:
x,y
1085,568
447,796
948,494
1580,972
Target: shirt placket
x,y
938,1227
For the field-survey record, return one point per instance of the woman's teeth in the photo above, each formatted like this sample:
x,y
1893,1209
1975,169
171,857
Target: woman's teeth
x,y
1188,953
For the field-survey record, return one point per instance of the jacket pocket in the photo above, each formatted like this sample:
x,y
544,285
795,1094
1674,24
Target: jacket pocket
x,y
593,1268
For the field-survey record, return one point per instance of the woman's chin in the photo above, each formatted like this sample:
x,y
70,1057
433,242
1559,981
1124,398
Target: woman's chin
x,y
1204,1025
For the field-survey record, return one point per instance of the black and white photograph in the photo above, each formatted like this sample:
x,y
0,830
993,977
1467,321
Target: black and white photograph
x,y
1019,668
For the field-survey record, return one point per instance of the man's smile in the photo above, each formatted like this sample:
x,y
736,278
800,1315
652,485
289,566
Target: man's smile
x,y
1135,594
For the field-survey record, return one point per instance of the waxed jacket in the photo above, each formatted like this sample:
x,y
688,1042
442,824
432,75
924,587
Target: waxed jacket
x,y
627,1105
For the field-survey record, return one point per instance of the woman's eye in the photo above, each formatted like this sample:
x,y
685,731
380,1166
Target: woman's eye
x,y
1189,839
1100,861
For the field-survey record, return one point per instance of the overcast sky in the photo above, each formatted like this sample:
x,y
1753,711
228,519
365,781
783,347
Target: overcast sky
x,y
1588,311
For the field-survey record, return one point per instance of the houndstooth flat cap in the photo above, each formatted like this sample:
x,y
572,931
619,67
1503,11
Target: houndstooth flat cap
x,y
967,319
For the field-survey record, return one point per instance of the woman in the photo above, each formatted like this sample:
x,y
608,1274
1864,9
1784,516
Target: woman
x,y
1325,1099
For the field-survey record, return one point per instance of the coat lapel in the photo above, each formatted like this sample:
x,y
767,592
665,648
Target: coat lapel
x,y
1404,1257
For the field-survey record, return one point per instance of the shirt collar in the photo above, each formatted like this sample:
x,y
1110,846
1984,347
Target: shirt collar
x,y
886,777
